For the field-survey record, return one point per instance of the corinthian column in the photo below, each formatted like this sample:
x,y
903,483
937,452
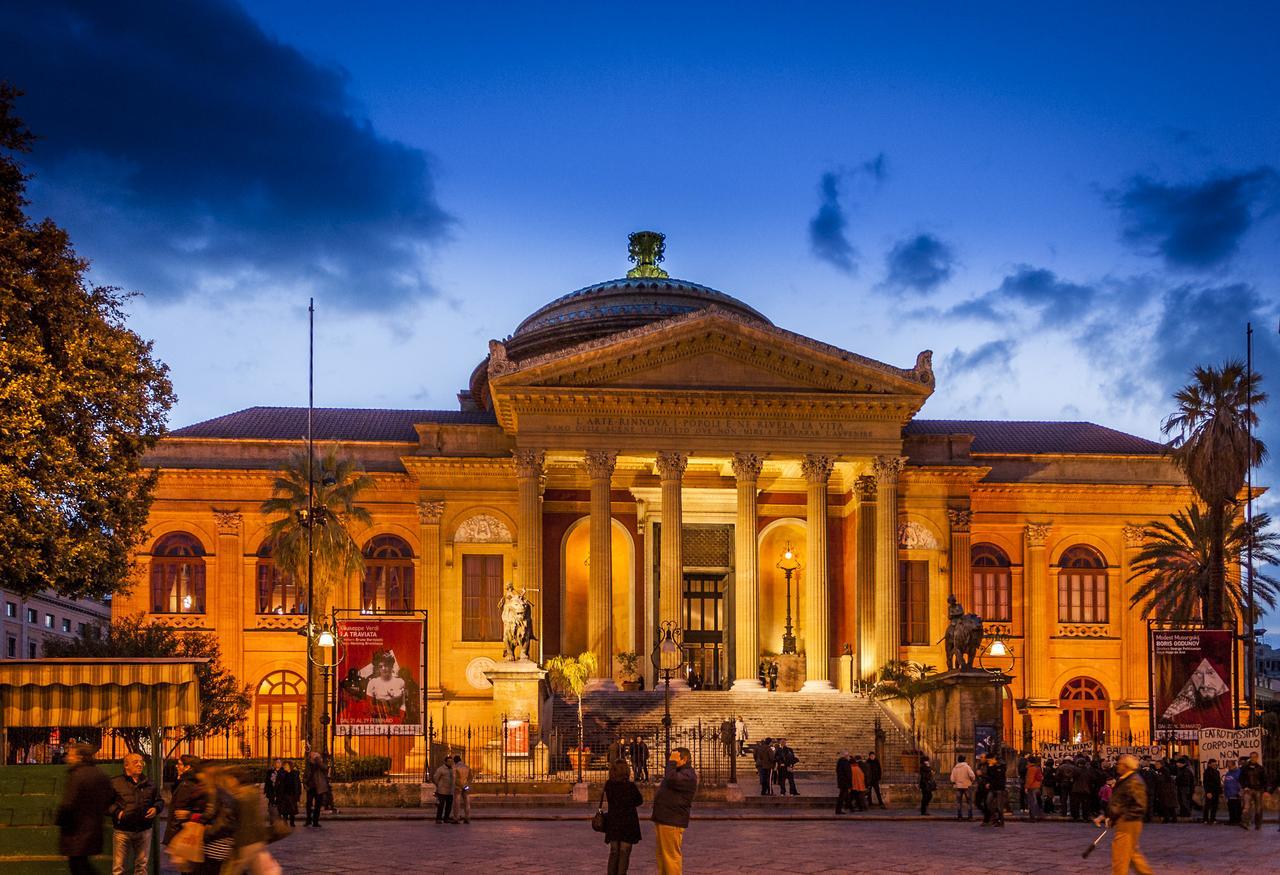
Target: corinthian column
x,y
746,576
817,615
529,491
671,467
1040,610
599,465
429,513
865,599
887,469
1133,638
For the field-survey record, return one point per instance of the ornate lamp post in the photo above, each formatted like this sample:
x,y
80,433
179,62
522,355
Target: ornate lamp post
x,y
668,643
997,660
324,649
788,565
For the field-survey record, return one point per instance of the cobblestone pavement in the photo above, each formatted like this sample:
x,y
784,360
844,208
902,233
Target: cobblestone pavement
x,y
767,846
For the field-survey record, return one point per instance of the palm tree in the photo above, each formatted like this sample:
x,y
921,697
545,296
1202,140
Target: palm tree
x,y
568,676
1175,561
337,482
900,679
1213,446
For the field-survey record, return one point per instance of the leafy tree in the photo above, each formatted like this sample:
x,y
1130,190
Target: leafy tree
x,y
568,675
337,484
1212,445
908,681
81,401
1175,563
224,701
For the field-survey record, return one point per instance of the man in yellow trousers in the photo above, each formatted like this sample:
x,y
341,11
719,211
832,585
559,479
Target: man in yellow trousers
x,y
671,805
1125,811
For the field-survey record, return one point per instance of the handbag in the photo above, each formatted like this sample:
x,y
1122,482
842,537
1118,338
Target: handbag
x,y
279,829
188,845
600,818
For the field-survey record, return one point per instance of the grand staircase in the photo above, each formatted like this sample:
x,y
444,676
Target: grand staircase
x,y
818,726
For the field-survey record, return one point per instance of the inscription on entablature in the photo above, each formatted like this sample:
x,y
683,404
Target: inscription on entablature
x,y
613,424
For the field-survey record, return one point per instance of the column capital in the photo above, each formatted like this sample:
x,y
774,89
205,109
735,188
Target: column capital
x,y
529,462
887,468
1134,536
747,466
959,518
1038,534
817,469
671,464
228,522
866,487
430,510
600,463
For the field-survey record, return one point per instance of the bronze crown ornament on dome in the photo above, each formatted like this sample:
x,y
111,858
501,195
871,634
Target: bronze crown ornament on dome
x,y
645,249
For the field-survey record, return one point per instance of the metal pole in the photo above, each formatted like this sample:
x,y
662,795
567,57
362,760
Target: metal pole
x,y
666,711
1248,517
311,601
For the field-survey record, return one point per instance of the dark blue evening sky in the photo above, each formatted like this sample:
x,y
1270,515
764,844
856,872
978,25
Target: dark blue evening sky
x,y
1071,204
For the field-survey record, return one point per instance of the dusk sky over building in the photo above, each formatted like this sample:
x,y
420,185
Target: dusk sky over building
x,y
1071,205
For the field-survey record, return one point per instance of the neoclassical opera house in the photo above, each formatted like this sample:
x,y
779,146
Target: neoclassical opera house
x,y
644,450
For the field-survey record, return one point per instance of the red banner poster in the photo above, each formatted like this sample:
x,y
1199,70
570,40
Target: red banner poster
x,y
379,675
1191,680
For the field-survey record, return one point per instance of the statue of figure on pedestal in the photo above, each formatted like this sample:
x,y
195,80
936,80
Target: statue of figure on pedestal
x,y
963,636
517,625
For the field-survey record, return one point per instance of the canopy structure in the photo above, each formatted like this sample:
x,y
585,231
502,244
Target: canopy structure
x,y
109,693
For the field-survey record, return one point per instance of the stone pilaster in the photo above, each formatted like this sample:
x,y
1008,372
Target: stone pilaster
x,y
817,613
599,465
430,511
865,600
1041,616
961,556
887,470
529,480
671,467
1133,637
226,600
746,576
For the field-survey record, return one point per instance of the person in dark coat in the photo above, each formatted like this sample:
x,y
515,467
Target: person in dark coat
x,y
640,759
288,793
784,760
1185,779
187,798
134,807
316,780
671,806
844,783
1212,781
1050,785
1167,793
874,773
1082,791
622,823
85,800
997,780
927,785
764,765
271,785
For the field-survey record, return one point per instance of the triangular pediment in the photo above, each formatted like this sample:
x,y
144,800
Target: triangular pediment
x,y
711,350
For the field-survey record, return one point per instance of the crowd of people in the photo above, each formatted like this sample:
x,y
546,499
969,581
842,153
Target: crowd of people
x,y
776,762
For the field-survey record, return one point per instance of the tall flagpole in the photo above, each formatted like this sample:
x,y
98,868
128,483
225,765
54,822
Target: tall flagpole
x,y
1251,648
311,504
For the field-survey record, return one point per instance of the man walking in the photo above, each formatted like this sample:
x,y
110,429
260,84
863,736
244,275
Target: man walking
x,y
962,778
85,800
874,774
844,783
640,758
740,731
764,765
443,779
134,807
729,738
1125,812
316,779
1253,783
997,790
671,806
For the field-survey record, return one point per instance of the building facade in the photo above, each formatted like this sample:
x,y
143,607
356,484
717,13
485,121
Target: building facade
x,y
28,622
642,451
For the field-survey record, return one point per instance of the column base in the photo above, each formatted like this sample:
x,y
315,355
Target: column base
x,y
818,687
751,686
601,685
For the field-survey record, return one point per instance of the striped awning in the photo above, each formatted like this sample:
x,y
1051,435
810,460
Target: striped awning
x,y
109,693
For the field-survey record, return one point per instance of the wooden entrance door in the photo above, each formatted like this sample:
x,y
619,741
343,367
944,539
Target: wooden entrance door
x,y
704,628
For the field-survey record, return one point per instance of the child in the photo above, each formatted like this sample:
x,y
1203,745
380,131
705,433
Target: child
x,y
1104,792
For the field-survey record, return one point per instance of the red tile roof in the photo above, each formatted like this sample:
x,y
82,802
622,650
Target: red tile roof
x,y
1031,437
366,424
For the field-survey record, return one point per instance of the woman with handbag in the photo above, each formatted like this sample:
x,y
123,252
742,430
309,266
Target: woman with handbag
x,y
288,793
621,822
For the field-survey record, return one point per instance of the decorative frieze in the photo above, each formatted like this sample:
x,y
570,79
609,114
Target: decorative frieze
x,y
1134,536
499,364
482,529
228,522
430,510
281,622
960,520
916,536
1083,630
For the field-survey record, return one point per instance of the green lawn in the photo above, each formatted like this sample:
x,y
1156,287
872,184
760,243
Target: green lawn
x,y
28,798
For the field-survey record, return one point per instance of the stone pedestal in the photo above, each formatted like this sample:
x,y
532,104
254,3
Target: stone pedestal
x,y
959,701
517,690
790,672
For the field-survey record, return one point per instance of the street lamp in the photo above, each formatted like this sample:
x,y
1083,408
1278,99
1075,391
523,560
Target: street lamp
x,y
324,649
668,644
997,660
788,565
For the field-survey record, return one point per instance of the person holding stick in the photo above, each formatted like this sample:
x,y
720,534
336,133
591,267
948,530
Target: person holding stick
x,y
1125,811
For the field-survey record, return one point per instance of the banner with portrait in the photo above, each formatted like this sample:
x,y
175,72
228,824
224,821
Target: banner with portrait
x,y
1191,680
379,675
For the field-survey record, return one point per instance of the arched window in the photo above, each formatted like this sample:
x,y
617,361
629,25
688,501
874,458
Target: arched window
x,y
992,583
1082,586
1083,706
278,593
280,711
177,575
388,575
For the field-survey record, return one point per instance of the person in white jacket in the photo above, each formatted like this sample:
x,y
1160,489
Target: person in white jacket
x,y
962,779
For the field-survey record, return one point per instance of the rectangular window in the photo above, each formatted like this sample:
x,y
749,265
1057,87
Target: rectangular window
x,y
1082,596
48,621
66,625
277,593
80,629
481,598
32,616
13,647
991,591
31,650
177,585
913,587
11,609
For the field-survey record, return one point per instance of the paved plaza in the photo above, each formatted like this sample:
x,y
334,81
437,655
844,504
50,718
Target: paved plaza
x,y
737,844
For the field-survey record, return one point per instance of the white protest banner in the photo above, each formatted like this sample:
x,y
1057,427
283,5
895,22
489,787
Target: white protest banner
x,y
1228,745
1066,751
1110,752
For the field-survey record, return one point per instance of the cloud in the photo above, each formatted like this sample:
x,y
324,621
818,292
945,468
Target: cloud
x,y
190,153
877,167
827,229
1034,289
995,355
1196,226
920,263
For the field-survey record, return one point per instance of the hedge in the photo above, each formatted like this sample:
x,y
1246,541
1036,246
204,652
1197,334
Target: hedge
x,y
343,769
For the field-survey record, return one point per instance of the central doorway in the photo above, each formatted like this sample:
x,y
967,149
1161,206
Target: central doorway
x,y
705,600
